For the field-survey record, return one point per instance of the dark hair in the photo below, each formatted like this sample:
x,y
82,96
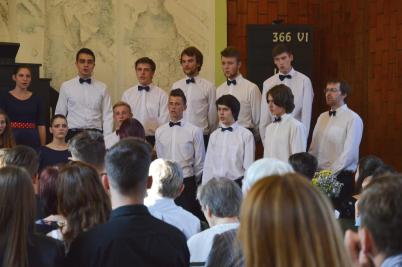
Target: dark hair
x,y
231,52
19,67
88,147
343,86
7,138
281,48
231,102
131,127
57,116
366,167
127,165
191,52
178,92
382,170
17,215
23,156
84,51
283,97
81,199
146,60
304,163
48,190
380,207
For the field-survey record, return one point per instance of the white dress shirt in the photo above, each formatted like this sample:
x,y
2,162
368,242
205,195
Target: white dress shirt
x,y
303,94
229,153
200,244
111,139
249,97
166,210
336,140
86,105
183,144
201,108
150,108
284,138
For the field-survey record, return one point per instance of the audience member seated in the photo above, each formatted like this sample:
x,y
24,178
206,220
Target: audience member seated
x,y
365,168
285,221
82,201
304,164
167,184
264,167
132,236
378,242
48,198
19,246
226,251
6,134
26,157
56,151
220,201
89,147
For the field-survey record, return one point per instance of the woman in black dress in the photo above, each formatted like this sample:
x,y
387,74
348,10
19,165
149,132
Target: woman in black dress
x,y
55,152
25,110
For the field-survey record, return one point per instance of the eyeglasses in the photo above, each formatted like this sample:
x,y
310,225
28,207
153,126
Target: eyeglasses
x,y
331,90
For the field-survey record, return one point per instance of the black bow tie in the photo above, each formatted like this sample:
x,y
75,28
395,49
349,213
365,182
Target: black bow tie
x,y
171,124
332,113
230,129
190,80
140,88
277,119
283,77
229,82
85,80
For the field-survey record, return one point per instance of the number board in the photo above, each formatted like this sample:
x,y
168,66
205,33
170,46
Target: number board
x,y
262,38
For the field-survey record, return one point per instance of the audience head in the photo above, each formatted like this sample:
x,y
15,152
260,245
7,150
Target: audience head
x,y
17,215
6,134
81,199
58,126
191,60
283,58
121,112
23,156
145,70
85,62
304,163
382,170
280,100
285,221
228,104
219,198
380,209
167,178
366,167
264,167
48,190
177,104
127,166
88,147
231,62
131,128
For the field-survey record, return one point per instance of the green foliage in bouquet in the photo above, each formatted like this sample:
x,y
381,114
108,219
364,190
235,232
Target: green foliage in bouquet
x,y
327,183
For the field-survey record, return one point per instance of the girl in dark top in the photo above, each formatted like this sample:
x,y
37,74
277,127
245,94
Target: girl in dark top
x,y
19,246
55,152
25,110
6,135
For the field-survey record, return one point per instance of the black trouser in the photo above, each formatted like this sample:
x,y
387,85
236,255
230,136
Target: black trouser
x,y
72,132
206,140
239,181
187,200
344,203
150,139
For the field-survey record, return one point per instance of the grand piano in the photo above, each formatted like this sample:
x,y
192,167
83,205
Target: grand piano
x,y
41,86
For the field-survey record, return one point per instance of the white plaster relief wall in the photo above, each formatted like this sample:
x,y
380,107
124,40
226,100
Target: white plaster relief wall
x,y
118,31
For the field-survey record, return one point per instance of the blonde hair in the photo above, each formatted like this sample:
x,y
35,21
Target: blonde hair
x,y
285,221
